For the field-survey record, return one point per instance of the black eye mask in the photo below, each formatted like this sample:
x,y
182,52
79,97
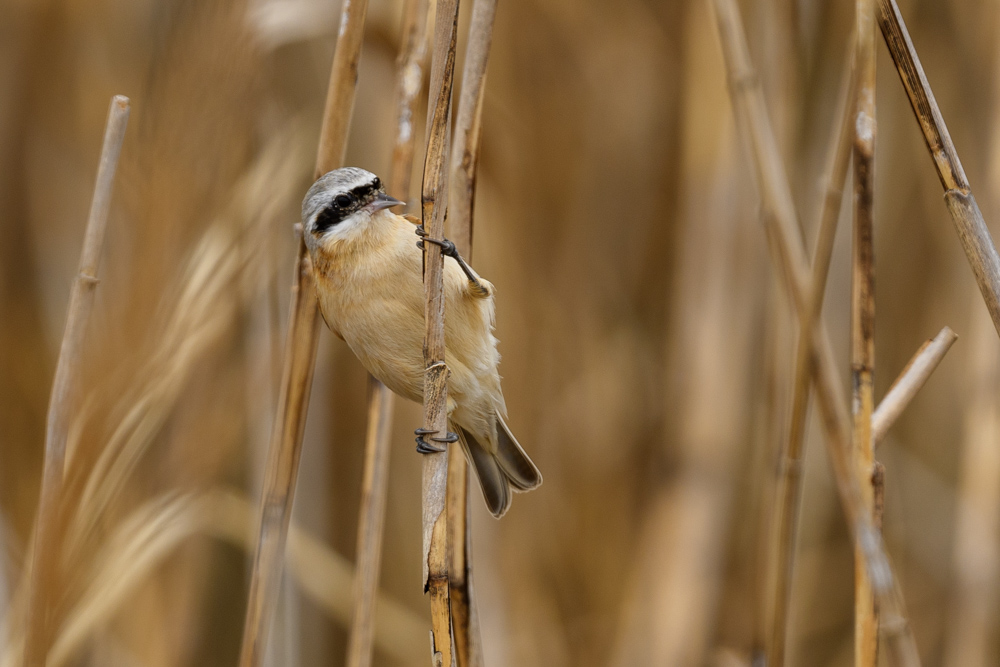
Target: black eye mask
x,y
345,205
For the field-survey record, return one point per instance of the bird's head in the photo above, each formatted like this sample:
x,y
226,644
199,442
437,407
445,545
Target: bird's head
x,y
341,203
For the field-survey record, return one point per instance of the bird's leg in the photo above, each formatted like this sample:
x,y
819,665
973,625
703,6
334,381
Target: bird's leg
x,y
425,447
448,249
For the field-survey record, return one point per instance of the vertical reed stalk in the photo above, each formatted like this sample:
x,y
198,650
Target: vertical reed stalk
x,y
461,201
788,253
786,243
45,554
972,231
434,205
787,509
300,356
464,619
863,318
371,519
468,126
375,483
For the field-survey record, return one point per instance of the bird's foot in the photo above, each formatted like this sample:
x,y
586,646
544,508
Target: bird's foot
x,y
424,447
447,247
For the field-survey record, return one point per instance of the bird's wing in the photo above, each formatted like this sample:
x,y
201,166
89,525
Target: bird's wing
x,y
412,219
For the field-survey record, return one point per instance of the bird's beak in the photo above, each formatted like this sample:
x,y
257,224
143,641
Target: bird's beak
x,y
382,201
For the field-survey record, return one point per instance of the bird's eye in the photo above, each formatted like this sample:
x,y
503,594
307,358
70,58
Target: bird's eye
x,y
377,183
342,201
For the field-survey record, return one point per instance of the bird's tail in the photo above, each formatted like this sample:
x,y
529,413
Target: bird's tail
x,y
500,473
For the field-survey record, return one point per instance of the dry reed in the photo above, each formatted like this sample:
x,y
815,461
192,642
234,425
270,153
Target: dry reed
x,y
970,639
790,486
863,319
783,230
459,226
44,570
910,380
155,531
434,203
972,231
789,255
285,448
375,483
100,574
468,126
323,575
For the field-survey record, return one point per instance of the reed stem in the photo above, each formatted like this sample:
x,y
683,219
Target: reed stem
x,y
371,520
787,509
45,554
972,231
788,253
285,448
461,202
375,482
434,203
909,382
866,618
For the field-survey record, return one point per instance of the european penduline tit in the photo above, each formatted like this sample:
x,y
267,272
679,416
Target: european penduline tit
x,y
369,279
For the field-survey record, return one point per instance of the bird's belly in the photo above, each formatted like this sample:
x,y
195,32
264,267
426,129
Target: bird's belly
x,y
378,309
398,364
386,334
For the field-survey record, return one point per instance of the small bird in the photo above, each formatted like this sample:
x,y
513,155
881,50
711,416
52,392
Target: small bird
x,y
369,279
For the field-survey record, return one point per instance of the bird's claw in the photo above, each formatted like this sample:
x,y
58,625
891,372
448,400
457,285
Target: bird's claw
x,y
447,247
424,447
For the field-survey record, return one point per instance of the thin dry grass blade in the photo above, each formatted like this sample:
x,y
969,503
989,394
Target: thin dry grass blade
x,y
787,509
188,331
300,355
909,382
47,540
139,543
461,201
972,231
789,254
134,548
151,533
196,322
434,203
323,575
375,483
203,311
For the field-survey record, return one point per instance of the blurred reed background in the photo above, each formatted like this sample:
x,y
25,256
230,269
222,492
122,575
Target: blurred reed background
x,y
648,348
